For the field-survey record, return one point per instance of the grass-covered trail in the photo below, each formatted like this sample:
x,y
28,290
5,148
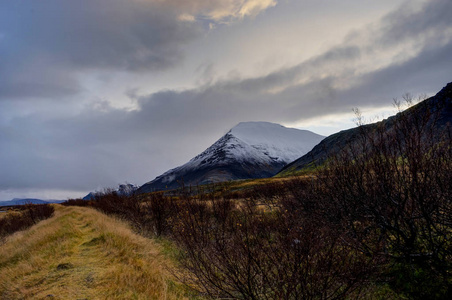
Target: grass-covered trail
x,y
81,253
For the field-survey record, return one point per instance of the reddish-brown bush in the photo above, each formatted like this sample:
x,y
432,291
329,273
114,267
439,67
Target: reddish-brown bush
x,y
28,215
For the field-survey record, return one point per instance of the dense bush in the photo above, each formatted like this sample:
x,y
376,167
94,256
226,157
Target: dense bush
x,y
27,216
248,253
392,192
77,202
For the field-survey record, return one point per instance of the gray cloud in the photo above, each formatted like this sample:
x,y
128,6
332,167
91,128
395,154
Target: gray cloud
x,y
44,44
102,145
421,24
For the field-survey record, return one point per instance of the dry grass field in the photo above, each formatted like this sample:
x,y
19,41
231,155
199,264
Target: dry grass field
x,y
249,183
81,253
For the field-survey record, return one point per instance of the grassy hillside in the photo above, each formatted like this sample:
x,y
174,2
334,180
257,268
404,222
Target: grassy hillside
x,y
81,253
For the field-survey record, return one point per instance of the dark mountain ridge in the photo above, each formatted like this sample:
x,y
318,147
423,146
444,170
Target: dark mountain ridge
x,y
440,112
17,201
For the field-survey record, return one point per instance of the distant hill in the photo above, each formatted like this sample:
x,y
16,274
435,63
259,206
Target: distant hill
x,y
249,150
123,189
17,201
331,145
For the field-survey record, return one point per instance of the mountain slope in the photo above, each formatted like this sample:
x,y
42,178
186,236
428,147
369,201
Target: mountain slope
x,y
249,150
441,102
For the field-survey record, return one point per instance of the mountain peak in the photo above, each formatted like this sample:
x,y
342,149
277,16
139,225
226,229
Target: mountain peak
x,y
248,150
448,87
445,92
277,140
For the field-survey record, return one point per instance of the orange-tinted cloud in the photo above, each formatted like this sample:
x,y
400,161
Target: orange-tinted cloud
x,y
218,11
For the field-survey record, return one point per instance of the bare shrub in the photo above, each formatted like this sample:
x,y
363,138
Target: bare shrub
x,y
77,202
28,215
159,211
392,193
247,253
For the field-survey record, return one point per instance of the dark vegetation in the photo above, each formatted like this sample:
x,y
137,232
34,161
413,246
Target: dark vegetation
x,y
440,104
24,216
374,221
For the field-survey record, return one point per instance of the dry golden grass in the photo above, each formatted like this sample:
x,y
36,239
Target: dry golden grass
x,y
5,213
249,183
81,253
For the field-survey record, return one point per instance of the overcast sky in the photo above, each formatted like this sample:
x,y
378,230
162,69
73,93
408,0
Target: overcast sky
x,y
99,92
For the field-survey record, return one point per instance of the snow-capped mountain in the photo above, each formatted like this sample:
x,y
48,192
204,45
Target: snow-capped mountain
x,y
249,150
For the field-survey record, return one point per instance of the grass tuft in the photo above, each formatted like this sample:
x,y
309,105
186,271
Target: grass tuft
x,y
81,253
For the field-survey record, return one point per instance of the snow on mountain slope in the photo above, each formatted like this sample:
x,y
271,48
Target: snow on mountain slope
x,y
277,141
249,150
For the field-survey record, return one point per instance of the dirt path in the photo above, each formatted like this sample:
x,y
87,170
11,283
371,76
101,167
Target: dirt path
x,y
83,254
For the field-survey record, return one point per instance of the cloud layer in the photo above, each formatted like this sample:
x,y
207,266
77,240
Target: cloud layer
x,y
46,44
219,11
50,47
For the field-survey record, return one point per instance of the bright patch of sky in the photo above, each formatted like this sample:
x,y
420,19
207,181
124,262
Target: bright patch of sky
x,y
283,35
